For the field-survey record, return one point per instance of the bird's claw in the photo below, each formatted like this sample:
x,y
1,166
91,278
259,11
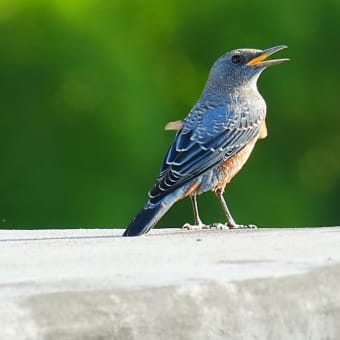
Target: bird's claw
x,y
198,226
218,226
242,226
224,226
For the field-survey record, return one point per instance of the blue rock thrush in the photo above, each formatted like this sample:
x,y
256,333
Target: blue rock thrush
x,y
214,141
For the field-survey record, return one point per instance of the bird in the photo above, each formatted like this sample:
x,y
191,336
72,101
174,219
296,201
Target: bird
x,y
214,141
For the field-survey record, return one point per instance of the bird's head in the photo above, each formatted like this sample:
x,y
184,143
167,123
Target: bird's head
x,y
242,67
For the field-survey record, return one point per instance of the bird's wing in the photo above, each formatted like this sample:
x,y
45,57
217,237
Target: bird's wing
x,y
209,135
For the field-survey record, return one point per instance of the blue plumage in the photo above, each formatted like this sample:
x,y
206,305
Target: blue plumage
x,y
227,117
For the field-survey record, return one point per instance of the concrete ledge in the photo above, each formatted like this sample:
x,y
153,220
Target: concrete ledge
x,y
170,284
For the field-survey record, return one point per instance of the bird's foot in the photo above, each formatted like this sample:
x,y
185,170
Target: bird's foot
x,y
224,226
220,226
198,226
241,226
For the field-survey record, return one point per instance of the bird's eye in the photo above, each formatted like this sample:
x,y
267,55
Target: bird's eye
x,y
236,58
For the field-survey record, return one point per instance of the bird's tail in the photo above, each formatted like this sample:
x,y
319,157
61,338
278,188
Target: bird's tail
x,y
149,216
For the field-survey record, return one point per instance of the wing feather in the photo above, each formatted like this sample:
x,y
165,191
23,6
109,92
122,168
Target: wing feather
x,y
209,136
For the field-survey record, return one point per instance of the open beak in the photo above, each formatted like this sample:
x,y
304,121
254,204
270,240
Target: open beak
x,y
260,59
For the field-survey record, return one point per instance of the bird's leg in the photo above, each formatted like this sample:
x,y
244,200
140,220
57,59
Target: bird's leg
x,y
198,222
195,209
231,224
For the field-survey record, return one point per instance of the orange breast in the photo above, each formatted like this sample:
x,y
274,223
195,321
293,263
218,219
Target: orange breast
x,y
234,164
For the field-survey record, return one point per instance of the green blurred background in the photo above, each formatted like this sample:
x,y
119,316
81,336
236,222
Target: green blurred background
x,y
86,88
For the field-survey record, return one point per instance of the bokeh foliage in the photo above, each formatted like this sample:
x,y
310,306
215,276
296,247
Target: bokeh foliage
x,y
86,88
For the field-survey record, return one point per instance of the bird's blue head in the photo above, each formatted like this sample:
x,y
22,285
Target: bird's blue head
x,y
241,67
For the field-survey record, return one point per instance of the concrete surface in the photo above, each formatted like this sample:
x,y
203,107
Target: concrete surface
x,y
170,284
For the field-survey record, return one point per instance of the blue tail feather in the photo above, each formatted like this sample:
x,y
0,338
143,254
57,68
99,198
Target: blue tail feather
x,y
146,219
